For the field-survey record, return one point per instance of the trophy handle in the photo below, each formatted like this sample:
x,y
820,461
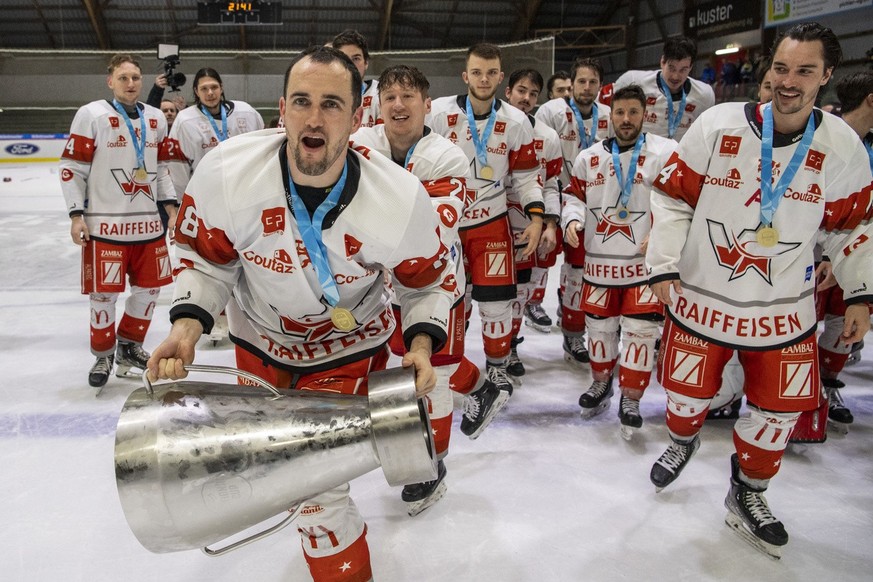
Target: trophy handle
x,y
218,370
258,536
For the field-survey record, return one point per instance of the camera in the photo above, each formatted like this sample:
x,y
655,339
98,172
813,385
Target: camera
x,y
169,53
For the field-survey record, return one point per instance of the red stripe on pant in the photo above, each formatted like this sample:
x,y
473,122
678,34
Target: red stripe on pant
x,y
350,565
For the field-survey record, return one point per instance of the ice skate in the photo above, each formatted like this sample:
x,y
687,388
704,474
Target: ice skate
x,y
128,356
420,496
575,351
482,406
99,373
219,330
596,399
750,518
629,415
839,415
514,366
671,463
535,316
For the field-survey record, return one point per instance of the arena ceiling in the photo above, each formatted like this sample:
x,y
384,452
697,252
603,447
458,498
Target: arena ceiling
x,y
140,25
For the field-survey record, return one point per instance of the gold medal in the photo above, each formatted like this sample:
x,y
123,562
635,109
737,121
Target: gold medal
x,y
767,236
343,319
486,172
140,175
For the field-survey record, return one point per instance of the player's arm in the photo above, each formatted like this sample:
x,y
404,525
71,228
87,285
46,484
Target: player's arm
x,y
75,169
574,208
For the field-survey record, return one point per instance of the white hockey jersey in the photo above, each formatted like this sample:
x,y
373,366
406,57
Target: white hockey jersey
x,y
558,115
370,102
236,233
193,136
612,244
442,168
548,149
511,157
706,207
97,173
699,98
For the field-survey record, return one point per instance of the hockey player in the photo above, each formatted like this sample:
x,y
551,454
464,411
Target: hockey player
x,y
742,247
580,122
113,176
610,185
856,97
200,128
522,92
354,45
300,228
442,168
559,85
498,141
674,100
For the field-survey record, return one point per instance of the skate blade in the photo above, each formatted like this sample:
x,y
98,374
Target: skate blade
x,y
838,427
538,327
627,432
739,527
499,403
574,361
124,371
516,381
587,413
413,508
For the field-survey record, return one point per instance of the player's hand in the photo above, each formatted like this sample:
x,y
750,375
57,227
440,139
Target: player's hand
x,y
172,212
79,230
548,239
571,233
824,276
169,359
661,289
644,246
418,357
531,236
857,323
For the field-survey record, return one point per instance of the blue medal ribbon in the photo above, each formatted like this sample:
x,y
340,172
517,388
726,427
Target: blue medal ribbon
x,y
408,156
310,232
586,140
770,195
869,148
222,135
673,118
481,149
626,184
138,144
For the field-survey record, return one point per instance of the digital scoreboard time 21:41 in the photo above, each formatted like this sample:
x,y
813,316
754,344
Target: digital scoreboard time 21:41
x,y
228,12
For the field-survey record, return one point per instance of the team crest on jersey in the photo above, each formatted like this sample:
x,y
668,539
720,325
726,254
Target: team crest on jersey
x,y
651,100
686,367
641,161
353,245
452,119
741,253
66,174
690,107
609,224
113,122
500,127
153,123
814,160
368,100
602,124
796,378
595,161
309,328
130,187
538,145
448,215
273,220
569,116
730,145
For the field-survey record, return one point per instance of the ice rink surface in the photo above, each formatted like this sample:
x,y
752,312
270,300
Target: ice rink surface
x,y
541,496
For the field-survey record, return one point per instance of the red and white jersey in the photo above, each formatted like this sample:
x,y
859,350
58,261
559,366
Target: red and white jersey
x,y
511,157
558,115
706,207
370,102
193,136
612,244
548,148
97,173
442,168
699,98
236,233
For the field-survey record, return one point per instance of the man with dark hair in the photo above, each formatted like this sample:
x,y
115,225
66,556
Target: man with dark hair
x,y
113,176
273,221
673,99
855,92
522,92
354,45
559,85
731,256
580,122
498,140
442,167
609,189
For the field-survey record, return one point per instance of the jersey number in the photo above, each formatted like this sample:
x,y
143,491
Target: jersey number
x,y
189,223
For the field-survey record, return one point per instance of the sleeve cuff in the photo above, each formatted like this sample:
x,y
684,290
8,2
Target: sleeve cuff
x,y
535,209
437,335
192,312
75,213
664,277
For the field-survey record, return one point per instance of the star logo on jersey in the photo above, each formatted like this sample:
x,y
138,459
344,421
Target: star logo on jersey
x,y
310,328
130,187
741,252
610,224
